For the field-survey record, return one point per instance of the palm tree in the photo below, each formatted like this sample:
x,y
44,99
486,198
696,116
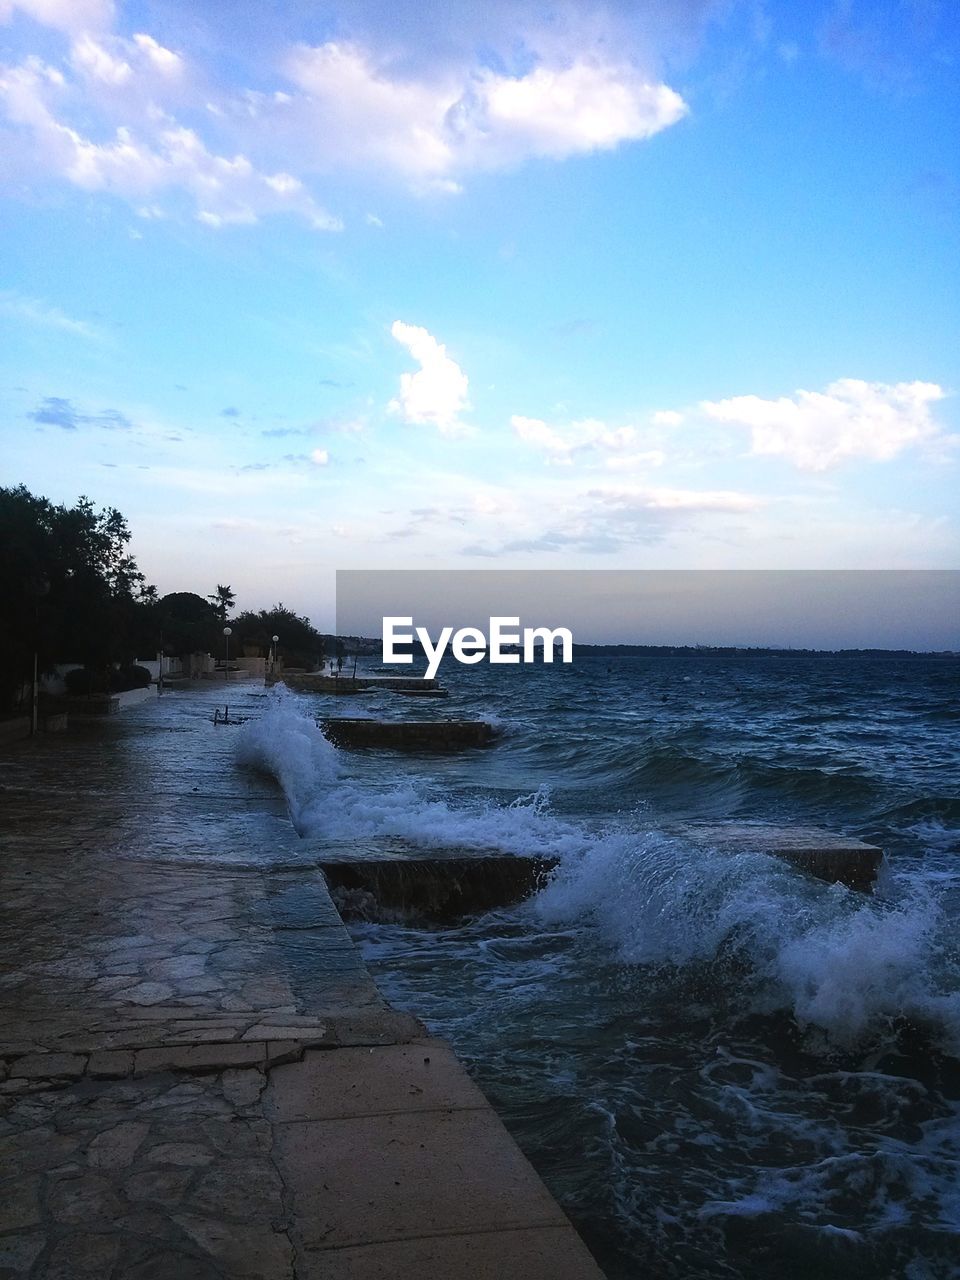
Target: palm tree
x,y
223,601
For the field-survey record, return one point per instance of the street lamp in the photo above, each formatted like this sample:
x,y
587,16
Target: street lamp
x,y
37,588
273,655
227,633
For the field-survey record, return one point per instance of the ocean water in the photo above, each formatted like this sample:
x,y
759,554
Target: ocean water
x,y
720,1066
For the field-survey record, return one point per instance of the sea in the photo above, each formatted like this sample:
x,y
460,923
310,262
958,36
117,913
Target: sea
x,y
719,1065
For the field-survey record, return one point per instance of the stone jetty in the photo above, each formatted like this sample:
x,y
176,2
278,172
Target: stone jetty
x,y
198,1077
408,735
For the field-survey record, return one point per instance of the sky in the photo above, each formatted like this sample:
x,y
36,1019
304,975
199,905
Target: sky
x,y
302,287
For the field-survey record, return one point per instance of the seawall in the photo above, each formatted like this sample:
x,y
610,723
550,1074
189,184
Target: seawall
x,y
197,1074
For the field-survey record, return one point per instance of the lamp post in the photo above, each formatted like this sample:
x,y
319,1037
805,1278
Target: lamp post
x,y
227,633
273,655
37,588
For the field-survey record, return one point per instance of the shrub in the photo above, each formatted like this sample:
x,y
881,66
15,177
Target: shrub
x,y
79,681
129,677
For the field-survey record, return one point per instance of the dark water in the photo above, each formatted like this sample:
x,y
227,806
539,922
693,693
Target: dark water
x,y
720,1066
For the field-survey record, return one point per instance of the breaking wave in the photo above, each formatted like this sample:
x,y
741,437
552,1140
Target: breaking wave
x,y
850,969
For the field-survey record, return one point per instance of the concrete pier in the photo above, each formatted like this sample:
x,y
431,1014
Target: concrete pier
x,y
408,735
198,1077
835,858
432,889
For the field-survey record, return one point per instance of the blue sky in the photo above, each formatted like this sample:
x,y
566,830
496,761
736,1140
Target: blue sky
x,y
498,285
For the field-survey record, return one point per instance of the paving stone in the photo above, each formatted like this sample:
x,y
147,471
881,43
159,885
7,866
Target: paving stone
x,y
83,1255
19,1205
424,1076
235,1136
200,1057
32,1150
107,1064
144,1221
199,986
170,1265
80,1200
49,1066
211,1035
175,969
190,1154
114,982
243,1086
260,1254
19,1252
302,1032
425,1173
239,1188
147,993
540,1253
233,1004
10,1088
115,1148
160,1186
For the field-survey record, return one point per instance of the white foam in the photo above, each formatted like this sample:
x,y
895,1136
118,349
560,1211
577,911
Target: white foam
x,y
844,964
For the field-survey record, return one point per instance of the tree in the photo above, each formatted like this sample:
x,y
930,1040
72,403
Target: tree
x,y
189,623
69,588
223,600
300,644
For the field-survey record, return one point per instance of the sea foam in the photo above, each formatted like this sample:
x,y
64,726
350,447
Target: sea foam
x,y
847,966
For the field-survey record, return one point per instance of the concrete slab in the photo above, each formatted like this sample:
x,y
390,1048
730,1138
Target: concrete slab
x,y
835,858
423,1076
537,1253
441,888
408,735
397,1177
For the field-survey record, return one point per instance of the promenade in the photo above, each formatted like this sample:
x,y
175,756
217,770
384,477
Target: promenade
x,y
198,1077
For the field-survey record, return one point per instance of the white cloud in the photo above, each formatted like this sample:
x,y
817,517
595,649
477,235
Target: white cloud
x,y
436,394
558,112
160,158
637,461
91,59
113,61
38,313
632,500
589,435
666,418
320,457
536,432
396,111
431,130
62,15
166,61
852,419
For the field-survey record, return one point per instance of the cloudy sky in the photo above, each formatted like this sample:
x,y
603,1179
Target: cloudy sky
x,y
437,284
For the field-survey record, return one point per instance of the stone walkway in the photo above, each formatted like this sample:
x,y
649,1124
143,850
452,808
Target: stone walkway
x,y
173,978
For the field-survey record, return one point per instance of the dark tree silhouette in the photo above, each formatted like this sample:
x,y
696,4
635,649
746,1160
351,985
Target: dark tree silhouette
x,y
71,591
